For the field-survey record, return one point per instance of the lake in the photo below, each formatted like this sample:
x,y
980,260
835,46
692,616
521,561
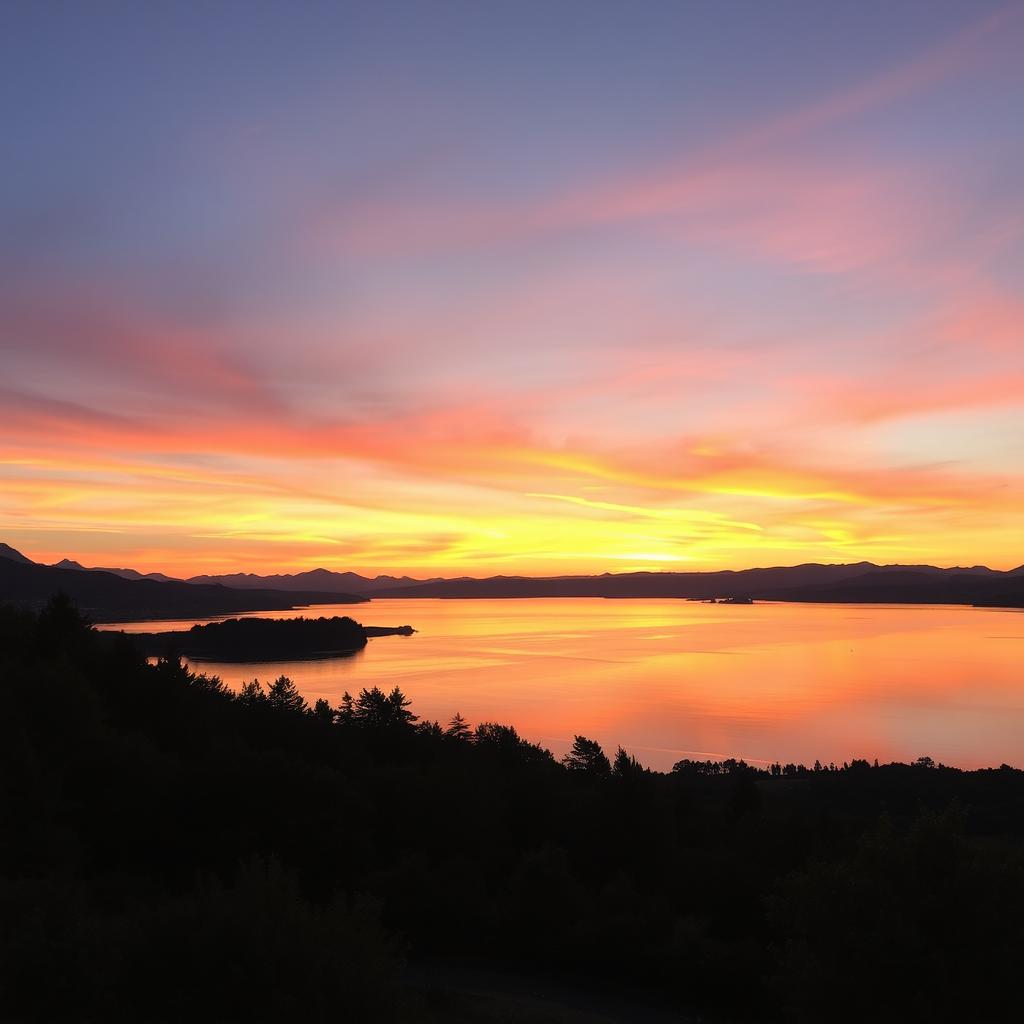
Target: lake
x,y
671,679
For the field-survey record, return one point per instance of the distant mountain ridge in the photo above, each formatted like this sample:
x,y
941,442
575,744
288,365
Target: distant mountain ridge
x,y
815,582
859,581
721,583
108,597
315,579
128,574
812,582
910,587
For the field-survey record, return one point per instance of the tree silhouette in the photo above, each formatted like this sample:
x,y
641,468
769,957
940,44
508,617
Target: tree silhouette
x,y
626,766
251,694
377,710
345,713
284,695
458,727
140,802
505,744
399,705
587,756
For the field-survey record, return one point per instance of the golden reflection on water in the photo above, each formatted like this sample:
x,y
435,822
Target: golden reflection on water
x,y
672,679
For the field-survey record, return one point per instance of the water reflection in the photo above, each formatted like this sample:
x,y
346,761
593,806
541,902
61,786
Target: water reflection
x,y
668,679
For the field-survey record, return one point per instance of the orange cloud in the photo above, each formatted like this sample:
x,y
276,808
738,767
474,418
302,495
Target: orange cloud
x,y
469,488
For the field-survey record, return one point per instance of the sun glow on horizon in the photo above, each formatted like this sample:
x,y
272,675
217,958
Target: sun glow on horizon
x,y
419,312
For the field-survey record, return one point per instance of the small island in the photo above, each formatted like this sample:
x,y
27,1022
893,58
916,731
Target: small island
x,y
259,639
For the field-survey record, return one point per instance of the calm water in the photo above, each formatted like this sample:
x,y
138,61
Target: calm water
x,y
672,679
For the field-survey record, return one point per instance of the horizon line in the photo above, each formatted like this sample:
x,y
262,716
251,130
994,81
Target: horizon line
x,y
436,576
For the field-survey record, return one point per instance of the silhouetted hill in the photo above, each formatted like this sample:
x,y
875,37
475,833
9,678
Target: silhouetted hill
x,y
861,581
105,597
1001,590
175,851
640,584
314,579
128,574
6,551
813,582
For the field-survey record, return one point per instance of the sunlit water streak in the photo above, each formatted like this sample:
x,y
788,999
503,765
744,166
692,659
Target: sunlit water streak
x,y
672,679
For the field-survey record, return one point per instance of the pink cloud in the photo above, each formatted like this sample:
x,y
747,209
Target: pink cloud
x,y
751,189
76,331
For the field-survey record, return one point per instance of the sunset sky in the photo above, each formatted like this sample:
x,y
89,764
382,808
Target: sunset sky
x,y
474,287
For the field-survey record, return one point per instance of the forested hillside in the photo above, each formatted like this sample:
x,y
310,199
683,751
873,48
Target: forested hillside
x,y
171,850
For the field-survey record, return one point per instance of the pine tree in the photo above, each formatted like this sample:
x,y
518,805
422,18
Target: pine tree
x,y
252,694
375,709
458,727
398,703
587,756
345,712
625,765
284,695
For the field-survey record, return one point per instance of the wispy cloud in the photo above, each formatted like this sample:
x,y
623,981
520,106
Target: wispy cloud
x,y
748,187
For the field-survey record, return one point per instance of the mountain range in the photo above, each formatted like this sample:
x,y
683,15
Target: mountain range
x,y
128,574
127,593
808,582
111,597
316,579
859,581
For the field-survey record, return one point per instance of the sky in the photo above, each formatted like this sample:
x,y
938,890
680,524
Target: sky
x,y
475,288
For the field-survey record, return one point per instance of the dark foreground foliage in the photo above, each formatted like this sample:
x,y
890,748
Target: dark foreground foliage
x,y
171,851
